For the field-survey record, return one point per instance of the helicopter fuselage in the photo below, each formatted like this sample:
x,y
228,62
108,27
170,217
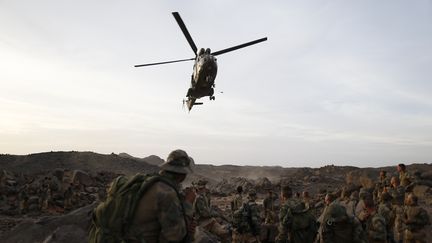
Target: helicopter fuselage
x,y
203,77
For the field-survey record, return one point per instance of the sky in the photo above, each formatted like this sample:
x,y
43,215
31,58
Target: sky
x,y
338,82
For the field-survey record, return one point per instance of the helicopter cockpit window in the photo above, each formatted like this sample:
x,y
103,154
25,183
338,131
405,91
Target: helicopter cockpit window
x,y
201,52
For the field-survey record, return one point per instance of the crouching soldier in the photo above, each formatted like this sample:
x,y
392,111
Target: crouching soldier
x,y
205,215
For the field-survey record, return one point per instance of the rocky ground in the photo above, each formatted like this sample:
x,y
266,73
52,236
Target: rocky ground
x,y
63,187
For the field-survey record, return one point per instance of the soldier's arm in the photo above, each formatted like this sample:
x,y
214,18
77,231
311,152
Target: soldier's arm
x,y
170,215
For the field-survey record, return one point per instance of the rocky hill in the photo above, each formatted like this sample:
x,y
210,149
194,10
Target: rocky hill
x,y
89,174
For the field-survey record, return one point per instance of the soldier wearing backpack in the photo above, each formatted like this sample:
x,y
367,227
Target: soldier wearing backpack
x,y
247,221
296,223
147,208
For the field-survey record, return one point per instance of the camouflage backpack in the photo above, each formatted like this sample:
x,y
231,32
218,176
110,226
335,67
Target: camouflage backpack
x,y
112,218
241,218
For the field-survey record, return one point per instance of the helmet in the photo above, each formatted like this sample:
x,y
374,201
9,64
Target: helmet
x,y
335,213
178,161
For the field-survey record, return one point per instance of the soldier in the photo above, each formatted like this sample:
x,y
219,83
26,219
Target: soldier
x,y
307,199
68,194
45,196
160,215
338,227
204,213
385,210
415,219
373,223
237,202
296,223
383,182
247,221
23,197
405,178
352,204
269,207
397,192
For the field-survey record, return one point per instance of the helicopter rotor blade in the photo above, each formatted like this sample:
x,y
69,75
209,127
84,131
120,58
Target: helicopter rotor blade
x,y
185,31
159,63
239,46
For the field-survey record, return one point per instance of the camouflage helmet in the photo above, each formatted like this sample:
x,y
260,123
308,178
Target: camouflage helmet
x,y
178,161
335,213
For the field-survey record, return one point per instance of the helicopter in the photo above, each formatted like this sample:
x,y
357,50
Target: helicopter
x,y
204,69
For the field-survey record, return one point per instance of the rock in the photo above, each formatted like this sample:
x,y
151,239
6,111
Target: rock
x,y
427,175
59,173
33,200
420,190
82,177
91,189
52,228
67,234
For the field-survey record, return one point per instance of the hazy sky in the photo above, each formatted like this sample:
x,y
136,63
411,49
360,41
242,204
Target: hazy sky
x,y
337,82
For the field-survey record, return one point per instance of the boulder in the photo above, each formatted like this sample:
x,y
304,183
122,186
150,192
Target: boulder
x,y
82,177
66,234
69,228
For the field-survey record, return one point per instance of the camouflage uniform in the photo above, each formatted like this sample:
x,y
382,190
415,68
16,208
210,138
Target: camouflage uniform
x,y
205,215
415,218
376,228
383,182
339,227
269,209
405,178
23,197
237,202
385,210
247,224
160,215
352,204
296,223
398,196
68,194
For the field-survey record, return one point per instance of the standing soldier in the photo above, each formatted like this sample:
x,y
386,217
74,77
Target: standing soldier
x,y
296,223
204,213
415,218
23,197
68,194
397,192
352,204
373,223
385,210
338,227
269,207
383,182
405,178
237,202
247,221
147,208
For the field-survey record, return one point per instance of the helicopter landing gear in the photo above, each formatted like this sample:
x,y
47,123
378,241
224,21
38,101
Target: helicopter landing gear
x,y
212,98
